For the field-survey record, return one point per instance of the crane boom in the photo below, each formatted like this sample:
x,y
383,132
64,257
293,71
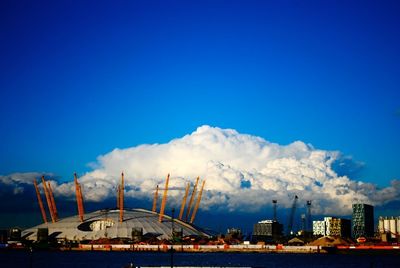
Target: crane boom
x,y
40,201
155,200
48,200
291,216
197,203
164,200
184,201
309,222
189,207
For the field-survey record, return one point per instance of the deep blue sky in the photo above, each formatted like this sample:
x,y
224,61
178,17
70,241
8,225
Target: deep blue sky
x,y
80,79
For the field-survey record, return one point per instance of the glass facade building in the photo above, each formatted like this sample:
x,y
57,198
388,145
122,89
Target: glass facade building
x,y
267,230
363,220
332,226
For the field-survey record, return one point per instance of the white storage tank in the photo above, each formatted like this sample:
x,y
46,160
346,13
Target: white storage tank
x,y
398,224
380,225
386,225
393,227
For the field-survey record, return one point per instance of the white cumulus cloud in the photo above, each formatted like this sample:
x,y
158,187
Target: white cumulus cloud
x,y
18,181
242,172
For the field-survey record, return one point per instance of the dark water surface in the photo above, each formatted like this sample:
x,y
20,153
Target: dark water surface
x,y
122,259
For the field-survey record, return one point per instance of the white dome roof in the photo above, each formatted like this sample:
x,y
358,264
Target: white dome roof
x,y
105,224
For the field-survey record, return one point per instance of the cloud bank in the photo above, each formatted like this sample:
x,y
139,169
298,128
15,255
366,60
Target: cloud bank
x,y
242,172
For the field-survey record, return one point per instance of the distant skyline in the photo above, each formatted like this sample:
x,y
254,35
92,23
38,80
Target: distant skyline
x,y
80,79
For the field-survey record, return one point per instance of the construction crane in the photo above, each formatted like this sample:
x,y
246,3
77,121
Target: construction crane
x,y
309,222
155,200
291,216
48,200
189,207
164,200
53,202
79,198
303,222
197,203
121,199
40,201
274,202
184,201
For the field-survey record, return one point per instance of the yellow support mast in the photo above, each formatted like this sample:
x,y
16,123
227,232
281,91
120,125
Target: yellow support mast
x,y
197,203
79,198
53,202
189,207
164,200
184,201
46,193
40,201
155,200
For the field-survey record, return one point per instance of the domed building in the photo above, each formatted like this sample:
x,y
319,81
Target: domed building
x,y
123,224
105,223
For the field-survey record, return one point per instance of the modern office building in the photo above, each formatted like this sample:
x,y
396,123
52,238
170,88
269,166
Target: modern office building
x,y
267,230
333,227
363,220
338,227
319,228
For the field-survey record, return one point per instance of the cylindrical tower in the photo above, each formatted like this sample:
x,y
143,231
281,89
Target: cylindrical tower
x,y
380,225
393,227
386,225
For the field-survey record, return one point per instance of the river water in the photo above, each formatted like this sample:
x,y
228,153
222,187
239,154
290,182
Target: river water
x,y
124,259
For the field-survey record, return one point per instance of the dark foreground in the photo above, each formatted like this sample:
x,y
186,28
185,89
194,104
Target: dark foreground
x,y
123,259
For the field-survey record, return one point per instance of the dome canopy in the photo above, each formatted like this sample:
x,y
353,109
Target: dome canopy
x,y
105,224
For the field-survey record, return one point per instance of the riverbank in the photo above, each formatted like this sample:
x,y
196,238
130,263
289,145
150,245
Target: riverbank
x,y
201,248
118,259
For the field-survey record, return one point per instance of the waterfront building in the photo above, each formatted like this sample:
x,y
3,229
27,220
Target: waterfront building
x,y
14,234
3,236
319,228
234,232
105,224
332,226
233,235
267,230
363,220
389,226
338,227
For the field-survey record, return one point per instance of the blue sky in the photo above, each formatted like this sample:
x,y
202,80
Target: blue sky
x,y
80,79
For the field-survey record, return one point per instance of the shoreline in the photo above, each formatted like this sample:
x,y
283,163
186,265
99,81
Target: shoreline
x,y
262,249
204,248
